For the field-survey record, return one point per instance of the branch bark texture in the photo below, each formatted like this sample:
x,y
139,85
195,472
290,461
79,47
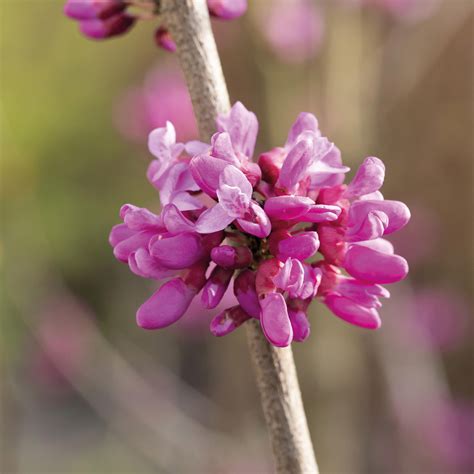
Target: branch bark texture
x,y
190,27
189,24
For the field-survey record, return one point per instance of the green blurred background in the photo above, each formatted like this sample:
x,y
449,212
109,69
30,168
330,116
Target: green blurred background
x,y
84,390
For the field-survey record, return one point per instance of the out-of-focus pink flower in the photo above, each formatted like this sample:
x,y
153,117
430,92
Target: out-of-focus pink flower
x,y
163,97
293,28
65,339
410,10
449,429
443,315
275,216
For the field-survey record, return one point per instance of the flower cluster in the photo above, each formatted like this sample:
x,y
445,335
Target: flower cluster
x,y
284,231
101,19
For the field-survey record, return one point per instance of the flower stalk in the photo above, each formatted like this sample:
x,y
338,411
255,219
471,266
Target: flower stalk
x,y
189,24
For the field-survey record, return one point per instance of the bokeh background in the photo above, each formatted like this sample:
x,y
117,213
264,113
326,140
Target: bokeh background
x,y
84,390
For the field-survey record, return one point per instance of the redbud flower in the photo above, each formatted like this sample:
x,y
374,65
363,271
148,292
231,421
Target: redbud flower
x,y
163,96
280,233
101,19
227,9
294,29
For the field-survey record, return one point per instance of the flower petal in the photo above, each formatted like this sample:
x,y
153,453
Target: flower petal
x,y
227,321
206,171
242,127
246,293
305,122
257,222
373,266
216,286
177,251
287,207
368,179
275,321
213,219
166,305
300,324
352,312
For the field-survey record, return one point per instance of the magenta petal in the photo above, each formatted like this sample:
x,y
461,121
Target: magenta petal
x,y
112,26
300,324
143,264
371,226
164,40
227,256
124,248
257,222
246,293
166,305
329,171
300,246
175,221
138,218
177,251
195,147
275,321
227,321
213,219
397,212
287,207
227,9
216,286
222,148
368,179
381,245
233,177
296,165
90,9
242,127
305,122
119,233
366,294
352,312
373,266
161,143
322,213
206,171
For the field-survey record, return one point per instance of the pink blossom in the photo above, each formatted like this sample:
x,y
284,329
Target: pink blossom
x,y
162,97
227,9
101,19
293,28
279,232
409,10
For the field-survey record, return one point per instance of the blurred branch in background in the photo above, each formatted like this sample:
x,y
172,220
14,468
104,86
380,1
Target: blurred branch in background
x,y
138,411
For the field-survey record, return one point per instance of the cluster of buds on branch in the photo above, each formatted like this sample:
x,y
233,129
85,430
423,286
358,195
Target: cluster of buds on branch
x,y
101,19
285,230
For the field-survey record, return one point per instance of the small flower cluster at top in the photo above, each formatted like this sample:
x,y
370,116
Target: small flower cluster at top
x,y
101,19
284,231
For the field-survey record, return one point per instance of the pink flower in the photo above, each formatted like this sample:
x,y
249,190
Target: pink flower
x,y
101,19
293,28
410,10
235,204
227,9
279,232
163,97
